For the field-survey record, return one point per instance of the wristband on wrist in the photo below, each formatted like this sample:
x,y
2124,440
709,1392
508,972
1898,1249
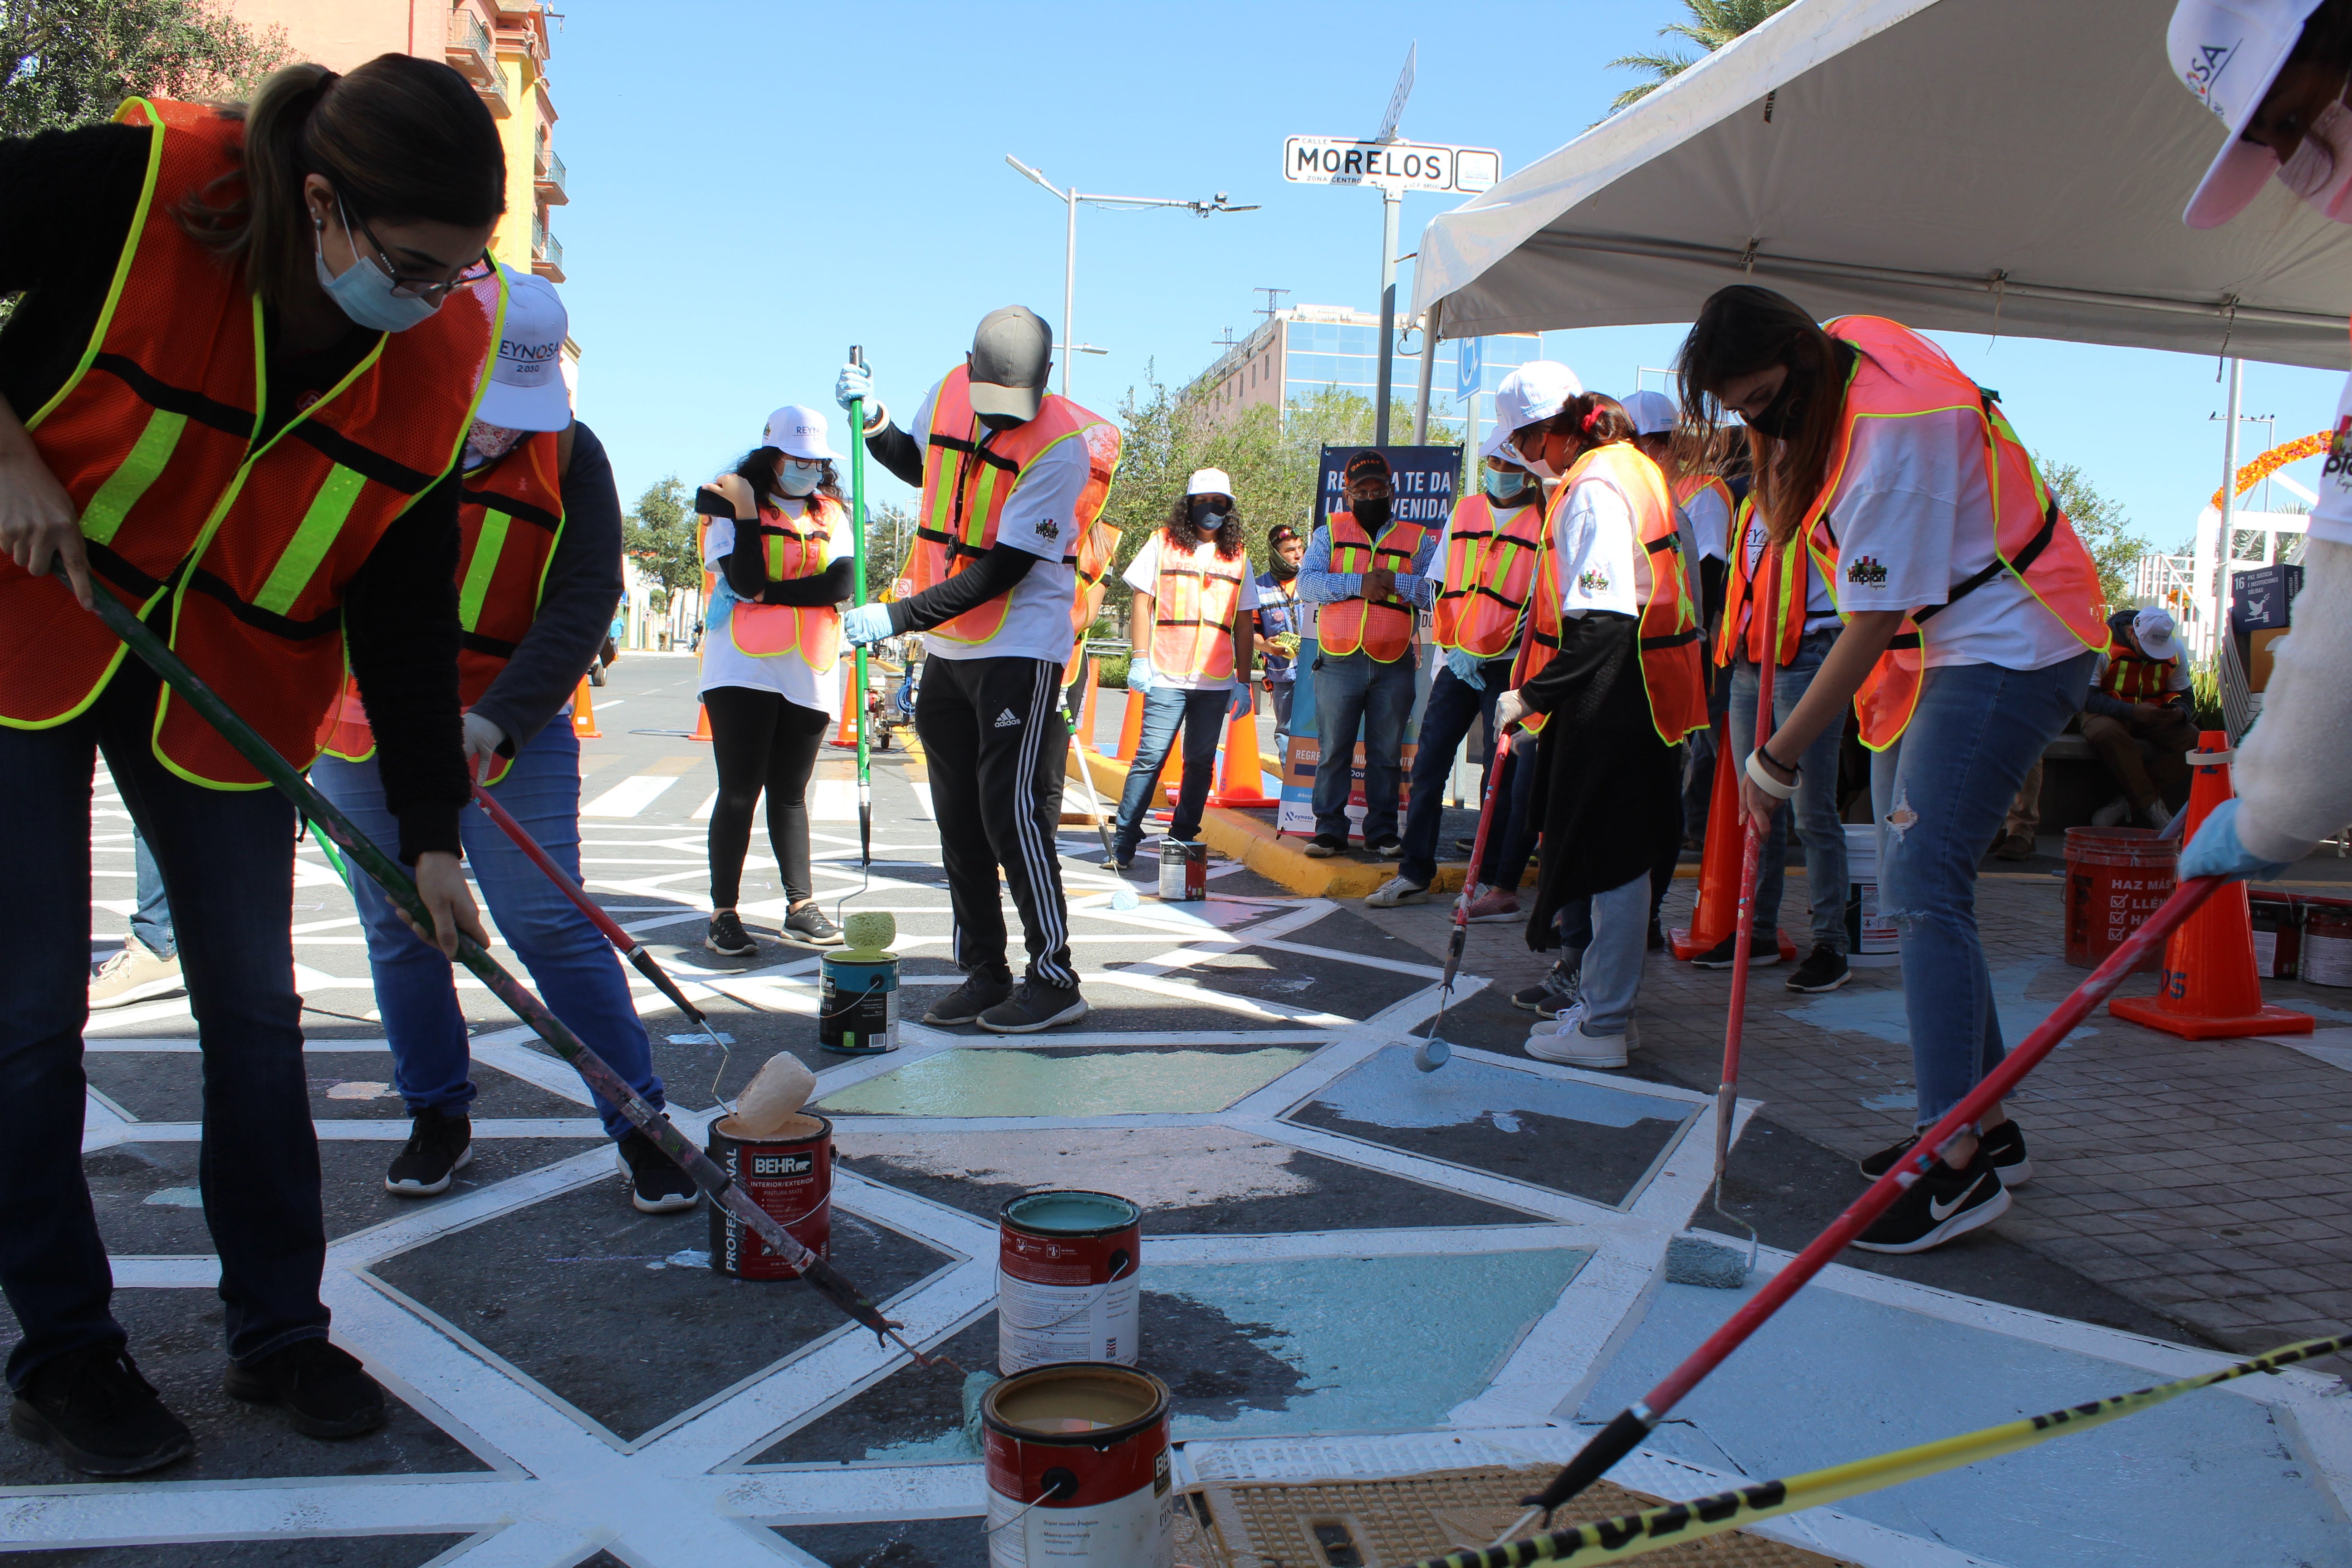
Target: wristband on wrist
x,y
1790,769
1766,782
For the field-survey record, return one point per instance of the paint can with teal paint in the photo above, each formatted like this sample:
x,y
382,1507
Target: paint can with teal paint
x,y
857,1002
1078,1471
1066,1281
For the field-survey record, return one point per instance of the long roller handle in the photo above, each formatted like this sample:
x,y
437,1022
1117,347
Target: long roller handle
x,y
857,580
1751,866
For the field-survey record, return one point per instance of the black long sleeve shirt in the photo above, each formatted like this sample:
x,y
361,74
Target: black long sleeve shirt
x,y
67,200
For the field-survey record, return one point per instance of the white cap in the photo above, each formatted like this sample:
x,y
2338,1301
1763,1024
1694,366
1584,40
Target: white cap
x,y
2152,630
2228,53
1496,443
797,431
526,390
1653,413
1537,390
1209,482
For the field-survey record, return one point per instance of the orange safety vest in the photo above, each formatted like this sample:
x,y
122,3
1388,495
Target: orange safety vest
x,y
1900,374
1383,630
967,474
792,550
1689,484
2133,677
154,438
1490,567
1787,609
1192,614
509,517
1674,674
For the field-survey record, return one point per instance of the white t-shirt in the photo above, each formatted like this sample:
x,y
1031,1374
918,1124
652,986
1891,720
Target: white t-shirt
x,y
2331,519
1602,565
1038,517
1821,605
1913,516
724,663
1710,522
1142,575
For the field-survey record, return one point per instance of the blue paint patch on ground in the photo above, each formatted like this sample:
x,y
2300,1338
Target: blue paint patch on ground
x,y
1383,1344
1880,1014
2208,1479
1388,1090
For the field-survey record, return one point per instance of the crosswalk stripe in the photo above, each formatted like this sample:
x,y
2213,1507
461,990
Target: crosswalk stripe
x,y
628,798
710,804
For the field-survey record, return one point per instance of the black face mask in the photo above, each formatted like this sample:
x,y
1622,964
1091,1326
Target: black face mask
x,y
1282,569
1207,514
1372,511
1783,414
1002,422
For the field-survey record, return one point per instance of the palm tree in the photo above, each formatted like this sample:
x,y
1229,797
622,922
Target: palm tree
x,y
1712,25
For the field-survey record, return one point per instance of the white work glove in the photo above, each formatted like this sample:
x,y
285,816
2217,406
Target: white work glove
x,y
1139,674
483,739
856,383
1509,708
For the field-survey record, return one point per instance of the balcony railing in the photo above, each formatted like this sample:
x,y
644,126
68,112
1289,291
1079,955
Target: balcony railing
x,y
469,49
551,176
546,250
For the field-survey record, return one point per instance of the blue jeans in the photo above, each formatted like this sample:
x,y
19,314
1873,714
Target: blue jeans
x,y
1816,808
229,854
1611,961
1279,693
1201,715
575,969
1356,692
1444,720
1939,793
151,921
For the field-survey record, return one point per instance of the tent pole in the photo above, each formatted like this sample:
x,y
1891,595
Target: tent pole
x,y
1428,374
1390,201
2227,546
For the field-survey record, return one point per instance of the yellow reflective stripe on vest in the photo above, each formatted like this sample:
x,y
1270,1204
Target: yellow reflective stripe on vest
x,y
321,525
140,468
488,545
976,511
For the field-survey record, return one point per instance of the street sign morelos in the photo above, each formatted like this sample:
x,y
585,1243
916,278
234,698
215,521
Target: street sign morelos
x,y
1392,165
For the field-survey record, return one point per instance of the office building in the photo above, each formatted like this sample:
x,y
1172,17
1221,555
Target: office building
x,y
1302,350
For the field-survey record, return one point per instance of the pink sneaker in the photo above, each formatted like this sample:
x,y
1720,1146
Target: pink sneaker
x,y
1492,905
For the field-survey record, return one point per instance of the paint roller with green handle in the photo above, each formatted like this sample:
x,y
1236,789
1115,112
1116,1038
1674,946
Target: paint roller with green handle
x,y
858,597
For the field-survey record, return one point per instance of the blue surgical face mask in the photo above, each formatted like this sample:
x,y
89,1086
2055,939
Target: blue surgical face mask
x,y
795,480
363,293
1501,486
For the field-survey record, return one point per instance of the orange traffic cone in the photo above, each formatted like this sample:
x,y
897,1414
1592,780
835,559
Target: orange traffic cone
x,y
845,732
2207,989
583,714
1716,914
1131,728
1086,708
1240,778
701,724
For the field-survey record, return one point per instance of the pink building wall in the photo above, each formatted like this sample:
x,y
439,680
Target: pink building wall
x,y
342,34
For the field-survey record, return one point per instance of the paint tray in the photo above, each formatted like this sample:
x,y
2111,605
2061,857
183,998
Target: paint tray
x,y
1403,1519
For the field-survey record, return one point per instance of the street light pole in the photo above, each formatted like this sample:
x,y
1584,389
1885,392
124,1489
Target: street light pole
x,y
1391,203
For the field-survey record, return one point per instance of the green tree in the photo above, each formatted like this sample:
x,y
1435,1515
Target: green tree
x,y
659,535
1712,25
68,63
2103,529
889,535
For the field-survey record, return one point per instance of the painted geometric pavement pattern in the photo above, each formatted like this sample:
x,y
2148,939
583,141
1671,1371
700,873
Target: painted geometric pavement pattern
x,y
1351,1268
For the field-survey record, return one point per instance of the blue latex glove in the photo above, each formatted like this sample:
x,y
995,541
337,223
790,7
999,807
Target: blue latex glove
x,y
1464,666
1139,674
855,382
865,623
2216,852
1244,702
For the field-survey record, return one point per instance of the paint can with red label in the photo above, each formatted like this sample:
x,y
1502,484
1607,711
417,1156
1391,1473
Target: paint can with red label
x,y
1078,1469
1183,870
790,1176
1066,1281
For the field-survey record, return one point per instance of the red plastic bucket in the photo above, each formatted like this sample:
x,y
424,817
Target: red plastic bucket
x,y
2115,878
1078,1469
790,1177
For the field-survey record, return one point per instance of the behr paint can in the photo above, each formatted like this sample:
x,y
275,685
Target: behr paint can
x,y
1078,1469
1183,870
1066,1273
857,1002
790,1176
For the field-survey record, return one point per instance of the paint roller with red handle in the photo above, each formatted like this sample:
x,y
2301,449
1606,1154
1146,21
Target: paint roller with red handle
x,y
1433,1052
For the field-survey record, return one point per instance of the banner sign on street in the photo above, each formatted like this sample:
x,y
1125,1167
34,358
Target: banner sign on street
x,y
1391,165
1424,478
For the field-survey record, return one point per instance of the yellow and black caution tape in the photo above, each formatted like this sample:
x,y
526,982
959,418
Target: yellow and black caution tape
x,y
1673,1524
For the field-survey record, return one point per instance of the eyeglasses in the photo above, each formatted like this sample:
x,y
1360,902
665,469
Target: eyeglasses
x,y
434,288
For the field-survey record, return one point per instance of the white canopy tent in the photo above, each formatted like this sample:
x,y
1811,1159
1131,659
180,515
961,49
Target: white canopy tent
x,y
2006,166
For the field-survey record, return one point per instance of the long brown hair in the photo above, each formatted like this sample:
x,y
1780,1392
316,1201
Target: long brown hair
x,y
1744,329
757,468
399,138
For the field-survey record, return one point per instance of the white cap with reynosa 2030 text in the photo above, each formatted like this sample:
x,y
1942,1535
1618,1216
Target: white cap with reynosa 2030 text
x,y
1535,391
2152,630
2228,53
1209,482
526,390
1653,413
798,431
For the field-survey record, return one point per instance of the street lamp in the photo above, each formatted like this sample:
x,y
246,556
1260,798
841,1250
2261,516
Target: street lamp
x,y
1071,197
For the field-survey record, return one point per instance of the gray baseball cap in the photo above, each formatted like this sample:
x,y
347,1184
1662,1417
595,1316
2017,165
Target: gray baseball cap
x,y
1011,358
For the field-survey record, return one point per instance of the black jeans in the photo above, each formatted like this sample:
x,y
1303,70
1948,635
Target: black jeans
x,y
993,737
761,743
228,857
1444,720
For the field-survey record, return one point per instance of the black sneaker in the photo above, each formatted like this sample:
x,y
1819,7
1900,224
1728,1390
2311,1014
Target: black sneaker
x,y
1657,939
325,1391
2003,1145
440,1144
1824,969
656,1183
1034,1005
728,938
1323,845
1939,1206
1551,996
102,1418
809,926
968,1001
1389,848
1762,954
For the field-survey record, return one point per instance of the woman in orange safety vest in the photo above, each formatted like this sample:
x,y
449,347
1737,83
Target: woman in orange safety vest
x,y
1973,617
248,353
1195,638
1611,674
772,670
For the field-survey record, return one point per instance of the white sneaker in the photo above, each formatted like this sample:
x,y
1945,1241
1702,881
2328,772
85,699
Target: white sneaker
x,y
1565,1041
133,975
1397,890
2159,815
2112,814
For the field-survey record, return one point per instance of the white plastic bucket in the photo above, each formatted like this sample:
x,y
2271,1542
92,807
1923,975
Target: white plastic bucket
x,y
1870,936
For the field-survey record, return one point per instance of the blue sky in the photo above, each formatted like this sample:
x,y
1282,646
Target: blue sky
x,y
757,185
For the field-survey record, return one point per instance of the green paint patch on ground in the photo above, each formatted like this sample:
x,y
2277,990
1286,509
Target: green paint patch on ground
x,y
1032,1083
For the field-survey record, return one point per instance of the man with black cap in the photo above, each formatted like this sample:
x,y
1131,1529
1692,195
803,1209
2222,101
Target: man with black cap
x,y
1007,570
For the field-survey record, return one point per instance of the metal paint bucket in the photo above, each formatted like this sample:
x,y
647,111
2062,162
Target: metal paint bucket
x,y
790,1177
1077,1469
2327,942
1066,1271
2278,934
1870,940
858,1003
1183,870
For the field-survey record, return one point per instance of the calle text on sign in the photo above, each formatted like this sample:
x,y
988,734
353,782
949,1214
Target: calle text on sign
x,y
1392,165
